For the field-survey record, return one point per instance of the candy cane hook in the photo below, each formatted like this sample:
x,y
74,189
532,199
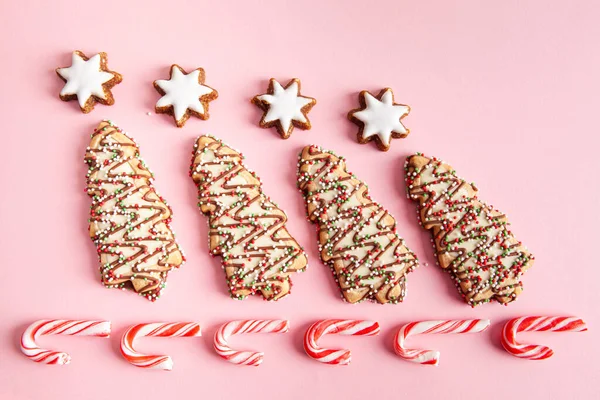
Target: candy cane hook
x,y
335,326
537,324
30,348
432,357
245,326
156,329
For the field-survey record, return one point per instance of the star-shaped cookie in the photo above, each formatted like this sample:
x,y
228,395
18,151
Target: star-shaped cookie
x,y
379,118
184,94
88,80
284,108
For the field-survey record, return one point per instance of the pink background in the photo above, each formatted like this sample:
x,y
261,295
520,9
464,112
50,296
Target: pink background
x,y
506,91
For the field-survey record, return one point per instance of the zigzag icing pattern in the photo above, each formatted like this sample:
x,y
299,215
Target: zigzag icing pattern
x,y
472,240
129,221
357,237
245,227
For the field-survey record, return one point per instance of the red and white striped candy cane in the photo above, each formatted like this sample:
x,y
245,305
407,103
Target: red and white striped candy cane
x,y
432,357
336,326
30,348
245,326
536,324
155,329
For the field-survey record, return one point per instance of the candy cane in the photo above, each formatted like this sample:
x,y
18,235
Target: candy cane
x,y
30,348
156,329
333,326
432,357
245,326
536,324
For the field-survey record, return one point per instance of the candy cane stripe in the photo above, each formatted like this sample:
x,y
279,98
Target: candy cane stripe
x,y
155,329
336,326
231,328
432,357
30,348
536,324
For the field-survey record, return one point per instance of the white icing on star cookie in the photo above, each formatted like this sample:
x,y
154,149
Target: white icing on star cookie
x,y
379,118
184,94
88,80
284,108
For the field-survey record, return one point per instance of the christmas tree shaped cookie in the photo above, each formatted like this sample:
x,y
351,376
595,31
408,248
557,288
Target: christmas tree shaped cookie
x,y
129,221
357,237
245,227
472,240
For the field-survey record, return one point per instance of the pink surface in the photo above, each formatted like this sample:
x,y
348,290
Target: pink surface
x,y
507,92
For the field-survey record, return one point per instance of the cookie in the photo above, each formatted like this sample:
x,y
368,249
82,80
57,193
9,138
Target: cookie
x,y
245,227
471,239
284,108
184,95
129,221
379,118
357,237
88,80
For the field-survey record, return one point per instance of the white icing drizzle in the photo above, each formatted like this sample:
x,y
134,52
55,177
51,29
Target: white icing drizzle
x,y
84,78
382,117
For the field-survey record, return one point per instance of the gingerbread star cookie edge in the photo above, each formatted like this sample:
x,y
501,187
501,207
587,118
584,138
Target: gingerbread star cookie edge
x,y
379,118
284,107
77,85
182,98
